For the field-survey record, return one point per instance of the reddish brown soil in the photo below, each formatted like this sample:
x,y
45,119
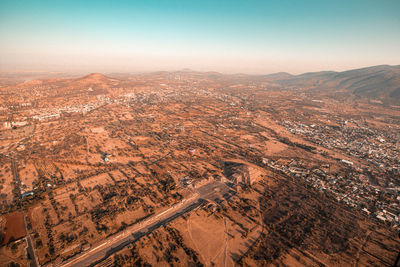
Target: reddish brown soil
x,y
15,228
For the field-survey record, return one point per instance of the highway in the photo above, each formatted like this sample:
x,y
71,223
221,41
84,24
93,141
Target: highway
x,y
118,241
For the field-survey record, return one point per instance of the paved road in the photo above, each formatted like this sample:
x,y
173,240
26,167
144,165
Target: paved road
x,y
16,176
116,242
32,260
30,251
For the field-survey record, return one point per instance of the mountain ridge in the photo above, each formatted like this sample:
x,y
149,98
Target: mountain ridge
x,y
376,82
381,82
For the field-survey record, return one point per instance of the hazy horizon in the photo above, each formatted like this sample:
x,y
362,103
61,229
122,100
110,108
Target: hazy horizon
x,y
254,37
39,74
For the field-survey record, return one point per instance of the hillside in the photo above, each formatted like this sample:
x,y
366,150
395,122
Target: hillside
x,y
377,82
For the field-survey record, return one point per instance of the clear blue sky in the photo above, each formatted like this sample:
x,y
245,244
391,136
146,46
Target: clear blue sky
x,y
228,36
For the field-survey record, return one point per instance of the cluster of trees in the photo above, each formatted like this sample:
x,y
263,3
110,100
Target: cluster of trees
x,y
73,198
67,237
300,217
177,237
50,242
287,141
101,228
54,204
99,212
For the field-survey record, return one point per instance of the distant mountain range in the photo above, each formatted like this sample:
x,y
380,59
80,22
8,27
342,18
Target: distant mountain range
x,y
92,80
380,82
377,82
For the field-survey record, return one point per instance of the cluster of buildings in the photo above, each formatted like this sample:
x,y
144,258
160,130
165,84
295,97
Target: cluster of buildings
x,y
10,124
55,113
352,187
381,148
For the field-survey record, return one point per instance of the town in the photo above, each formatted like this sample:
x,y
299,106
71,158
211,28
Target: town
x,y
95,163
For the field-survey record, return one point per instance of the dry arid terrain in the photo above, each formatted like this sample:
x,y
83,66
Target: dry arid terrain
x,y
200,169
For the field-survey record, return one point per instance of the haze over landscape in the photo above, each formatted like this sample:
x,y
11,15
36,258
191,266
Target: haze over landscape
x,y
199,133
255,37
